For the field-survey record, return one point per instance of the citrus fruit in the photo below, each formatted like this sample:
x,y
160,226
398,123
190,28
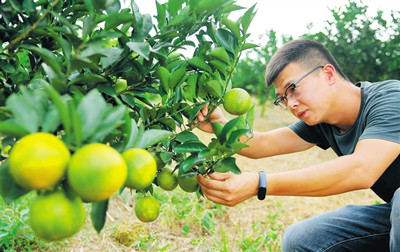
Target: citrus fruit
x,y
38,161
237,101
96,171
147,209
142,168
120,85
167,180
160,163
55,216
188,183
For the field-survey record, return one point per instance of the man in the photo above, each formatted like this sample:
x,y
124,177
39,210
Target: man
x,y
361,123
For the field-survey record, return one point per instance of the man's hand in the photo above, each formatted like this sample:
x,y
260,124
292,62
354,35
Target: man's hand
x,y
229,189
216,116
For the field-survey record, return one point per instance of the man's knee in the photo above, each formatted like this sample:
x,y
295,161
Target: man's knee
x,y
293,238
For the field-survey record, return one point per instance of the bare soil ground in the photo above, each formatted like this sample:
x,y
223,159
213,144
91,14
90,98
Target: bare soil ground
x,y
238,222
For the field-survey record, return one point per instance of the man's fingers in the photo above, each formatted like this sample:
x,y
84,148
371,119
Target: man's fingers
x,y
220,176
216,183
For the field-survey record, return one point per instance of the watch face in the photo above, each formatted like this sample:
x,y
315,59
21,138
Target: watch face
x,y
261,193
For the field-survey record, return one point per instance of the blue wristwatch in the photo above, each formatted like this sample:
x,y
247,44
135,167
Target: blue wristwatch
x,y
262,185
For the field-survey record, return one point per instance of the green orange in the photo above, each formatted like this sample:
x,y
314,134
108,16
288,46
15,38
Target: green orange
x,y
56,216
147,209
188,183
38,161
142,168
167,179
96,172
237,101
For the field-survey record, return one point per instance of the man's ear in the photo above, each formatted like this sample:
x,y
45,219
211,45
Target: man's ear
x,y
330,73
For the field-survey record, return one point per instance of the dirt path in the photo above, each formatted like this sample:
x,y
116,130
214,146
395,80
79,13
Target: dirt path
x,y
238,223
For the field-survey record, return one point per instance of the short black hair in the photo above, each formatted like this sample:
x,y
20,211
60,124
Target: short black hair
x,y
307,52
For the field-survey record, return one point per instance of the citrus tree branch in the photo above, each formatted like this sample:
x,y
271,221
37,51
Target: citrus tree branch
x,y
33,27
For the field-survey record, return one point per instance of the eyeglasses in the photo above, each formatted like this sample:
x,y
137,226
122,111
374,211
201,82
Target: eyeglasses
x,y
292,90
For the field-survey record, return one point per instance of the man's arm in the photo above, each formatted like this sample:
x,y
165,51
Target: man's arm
x,y
274,142
359,170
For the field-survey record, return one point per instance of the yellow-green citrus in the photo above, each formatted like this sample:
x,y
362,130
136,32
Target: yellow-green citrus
x,y
56,216
237,101
188,184
167,179
160,163
38,161
96,171
147,209
142,168
120,85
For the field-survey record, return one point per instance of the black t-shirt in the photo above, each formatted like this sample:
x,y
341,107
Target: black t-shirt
x,y
378,118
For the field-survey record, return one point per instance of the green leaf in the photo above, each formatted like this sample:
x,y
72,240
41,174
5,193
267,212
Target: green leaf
x,y
115,19
214,88
248,46
52,119
76,123
199,63
144,25
46,55
236,134
65,21
151,137
195,110
227,40
113,55
247,18
161,14
208,5
227,164
87,78
90,110
98,215
130,132
112,119
60,104
189,163
24,114
221,54
164,75
9,190
227,129
190,147
7,67
250,117
186,136
176,77
168,122
141,48
9,128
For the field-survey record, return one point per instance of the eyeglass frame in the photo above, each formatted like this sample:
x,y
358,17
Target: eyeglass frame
x,y
279,101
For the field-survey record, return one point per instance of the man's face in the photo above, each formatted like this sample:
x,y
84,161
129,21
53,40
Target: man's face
x,y
301,91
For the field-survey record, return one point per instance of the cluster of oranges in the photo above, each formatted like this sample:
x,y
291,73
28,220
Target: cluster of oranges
x,y
41,161
95,172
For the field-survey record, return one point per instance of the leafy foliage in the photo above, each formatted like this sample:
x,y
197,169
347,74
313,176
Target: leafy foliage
x,y
61,61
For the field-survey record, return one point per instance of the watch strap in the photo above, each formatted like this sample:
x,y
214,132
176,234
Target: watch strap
x,y
262,185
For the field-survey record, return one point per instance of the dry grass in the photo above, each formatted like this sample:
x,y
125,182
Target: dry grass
x,y
238,222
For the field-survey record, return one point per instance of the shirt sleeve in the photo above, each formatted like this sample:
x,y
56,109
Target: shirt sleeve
x,y
311,134
383,114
